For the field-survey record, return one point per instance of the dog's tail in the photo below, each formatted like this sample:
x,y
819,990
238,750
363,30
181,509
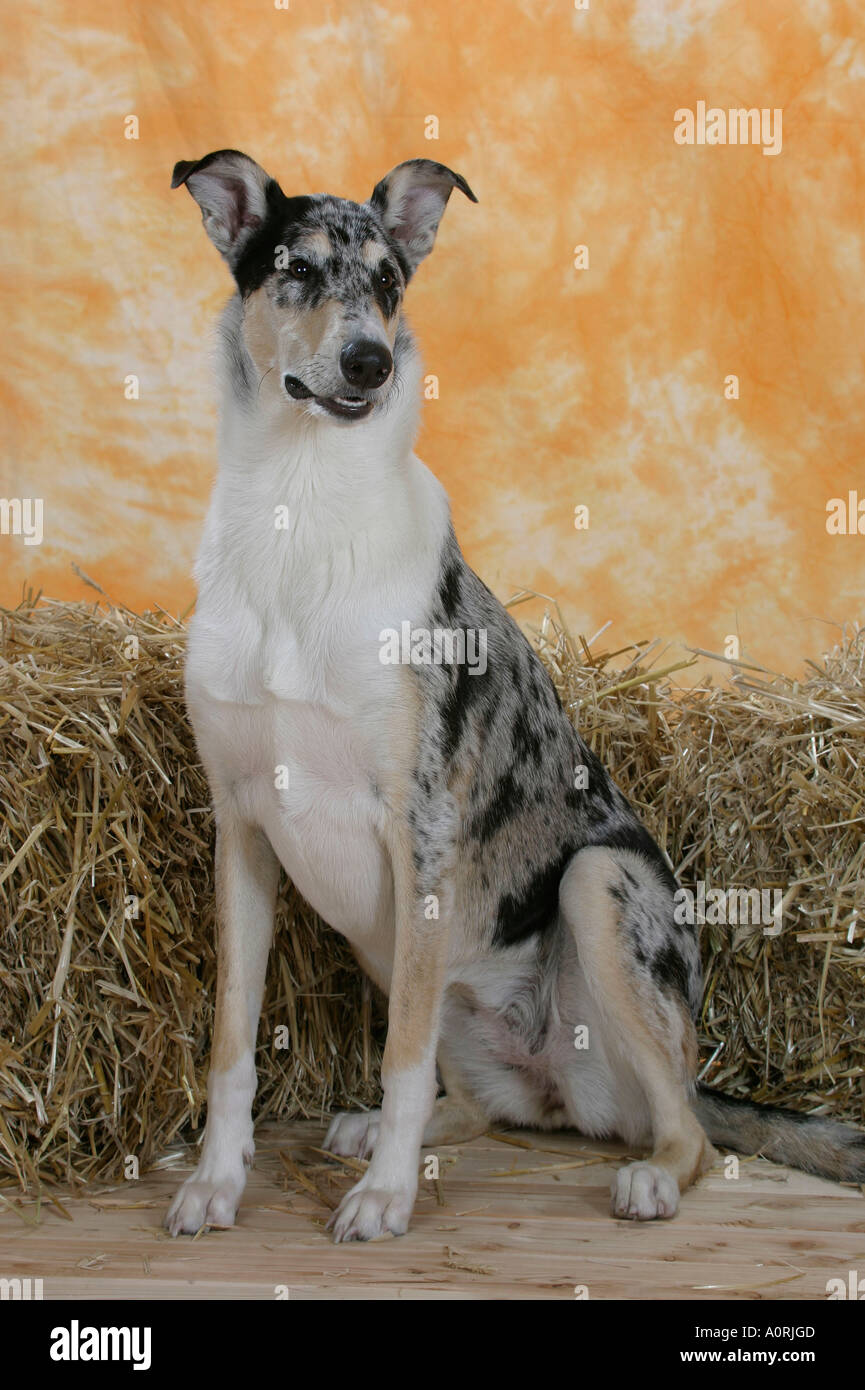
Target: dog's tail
x,y
809,1142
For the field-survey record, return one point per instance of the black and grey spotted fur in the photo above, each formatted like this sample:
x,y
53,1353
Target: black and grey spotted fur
x,y
524,816
506,738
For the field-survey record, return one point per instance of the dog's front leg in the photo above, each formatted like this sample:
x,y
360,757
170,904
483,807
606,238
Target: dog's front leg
x,y
382,1201
247,874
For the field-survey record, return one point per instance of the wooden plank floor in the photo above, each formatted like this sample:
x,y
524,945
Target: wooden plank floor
x,y
479,1233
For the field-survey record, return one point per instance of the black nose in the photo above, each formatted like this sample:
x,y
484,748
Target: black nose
x,y
365,363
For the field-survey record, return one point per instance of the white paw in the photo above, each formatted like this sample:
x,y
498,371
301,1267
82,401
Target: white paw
x,y
205,1200
367,1212
353,1135
641,1192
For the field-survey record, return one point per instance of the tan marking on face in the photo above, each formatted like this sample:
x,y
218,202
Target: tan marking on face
x,y
304,332
389,325
372,252
316,244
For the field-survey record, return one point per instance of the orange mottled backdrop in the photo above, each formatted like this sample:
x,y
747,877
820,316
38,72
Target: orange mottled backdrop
x,y
599,378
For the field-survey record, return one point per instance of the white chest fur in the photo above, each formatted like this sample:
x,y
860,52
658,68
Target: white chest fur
x,y
308,554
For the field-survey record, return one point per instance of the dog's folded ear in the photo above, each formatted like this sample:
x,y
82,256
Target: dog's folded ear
x,y
410,201
232,192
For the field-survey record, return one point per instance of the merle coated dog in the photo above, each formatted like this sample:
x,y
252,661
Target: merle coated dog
x,y
433,802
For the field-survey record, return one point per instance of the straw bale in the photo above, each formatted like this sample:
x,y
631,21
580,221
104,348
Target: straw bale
x,y
106,893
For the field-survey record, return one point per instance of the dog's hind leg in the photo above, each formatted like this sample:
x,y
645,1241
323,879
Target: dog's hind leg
x,y
640,968
354,1133
456,1118
247,874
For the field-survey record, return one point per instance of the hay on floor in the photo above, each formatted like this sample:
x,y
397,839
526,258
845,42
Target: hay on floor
x,y
106,903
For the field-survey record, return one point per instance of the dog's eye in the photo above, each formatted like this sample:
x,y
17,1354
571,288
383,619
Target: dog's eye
x,y
386,279
298,268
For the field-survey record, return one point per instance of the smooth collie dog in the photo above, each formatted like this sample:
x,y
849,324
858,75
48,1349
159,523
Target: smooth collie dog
x,y
371,719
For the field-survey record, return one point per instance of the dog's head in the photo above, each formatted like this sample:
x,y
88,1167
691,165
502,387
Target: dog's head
x,y
321,279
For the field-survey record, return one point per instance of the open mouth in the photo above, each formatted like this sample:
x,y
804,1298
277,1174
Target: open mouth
x,y
344,407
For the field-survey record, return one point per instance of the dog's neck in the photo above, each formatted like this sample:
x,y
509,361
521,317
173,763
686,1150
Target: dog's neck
x,y
341,487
